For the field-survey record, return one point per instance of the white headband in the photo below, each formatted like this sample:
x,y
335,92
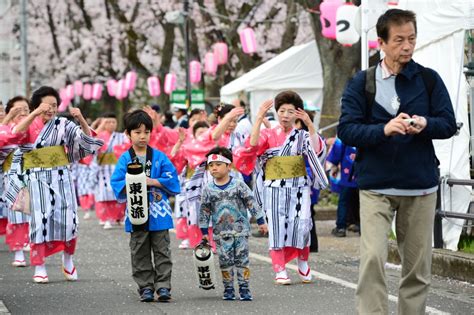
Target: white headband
x,y
217,158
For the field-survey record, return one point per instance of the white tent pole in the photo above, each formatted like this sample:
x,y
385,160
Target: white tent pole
x,y
364,49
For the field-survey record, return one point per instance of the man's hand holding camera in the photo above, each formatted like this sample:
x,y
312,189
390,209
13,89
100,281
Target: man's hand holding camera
x,y
404,124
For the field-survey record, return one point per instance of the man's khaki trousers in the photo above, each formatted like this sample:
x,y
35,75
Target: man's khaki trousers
x,y
414,228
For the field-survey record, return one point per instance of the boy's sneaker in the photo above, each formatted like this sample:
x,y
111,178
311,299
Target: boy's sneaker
x,y
245,294
146,295
164,294
229,294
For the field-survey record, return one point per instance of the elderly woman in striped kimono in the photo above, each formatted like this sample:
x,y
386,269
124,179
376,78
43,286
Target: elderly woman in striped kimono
x,y
41,167
279,157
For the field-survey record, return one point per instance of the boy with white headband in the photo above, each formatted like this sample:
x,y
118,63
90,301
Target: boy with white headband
x,y
225,201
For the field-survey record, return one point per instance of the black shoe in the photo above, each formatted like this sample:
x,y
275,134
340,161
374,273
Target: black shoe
x,y
353,228
146,295
229,294
164,294
338,232
245,294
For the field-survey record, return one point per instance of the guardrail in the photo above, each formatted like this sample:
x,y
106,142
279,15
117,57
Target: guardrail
x,y
440,214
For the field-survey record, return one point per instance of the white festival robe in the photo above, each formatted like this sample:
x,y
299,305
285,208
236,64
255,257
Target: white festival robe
x,y
53,200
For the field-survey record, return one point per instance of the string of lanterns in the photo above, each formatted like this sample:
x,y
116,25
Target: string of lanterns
x,y
121,88
339,19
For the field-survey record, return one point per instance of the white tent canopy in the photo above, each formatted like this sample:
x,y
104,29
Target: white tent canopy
x,y
297,68
440,46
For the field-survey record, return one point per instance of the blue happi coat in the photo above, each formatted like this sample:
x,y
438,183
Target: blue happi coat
x,y
162,169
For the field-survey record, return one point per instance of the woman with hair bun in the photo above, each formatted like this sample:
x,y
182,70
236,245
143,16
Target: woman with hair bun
x,y
41,166
279,156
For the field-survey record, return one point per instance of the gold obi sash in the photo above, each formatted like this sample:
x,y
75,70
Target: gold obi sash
x,y
282,167
189,172
107,158
7,164
46,157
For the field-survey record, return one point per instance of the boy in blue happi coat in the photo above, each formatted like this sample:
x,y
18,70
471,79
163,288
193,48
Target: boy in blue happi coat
x,y
153,236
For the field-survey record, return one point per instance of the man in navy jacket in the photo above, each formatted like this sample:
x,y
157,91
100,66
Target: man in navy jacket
x,y
396,166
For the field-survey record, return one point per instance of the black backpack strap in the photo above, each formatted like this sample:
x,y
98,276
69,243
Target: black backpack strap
x,y
369,92
429,80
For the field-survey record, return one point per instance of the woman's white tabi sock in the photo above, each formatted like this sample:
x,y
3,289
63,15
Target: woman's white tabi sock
x,y
41,271
67,262
19,255
303,266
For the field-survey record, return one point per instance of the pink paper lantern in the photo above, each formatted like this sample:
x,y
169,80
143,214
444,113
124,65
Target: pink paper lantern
x,y
248,41
87,91
111,87
328,11
63,94
97,91
210,63
121,91
78,88
392,4
64,104
154,86
194,71
130,80
372,39
221,51
170,83
70,91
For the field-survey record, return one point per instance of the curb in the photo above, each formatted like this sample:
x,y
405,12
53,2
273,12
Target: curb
x,y
445,263
326,213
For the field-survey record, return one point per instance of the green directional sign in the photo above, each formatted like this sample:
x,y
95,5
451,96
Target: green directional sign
x,y
178,99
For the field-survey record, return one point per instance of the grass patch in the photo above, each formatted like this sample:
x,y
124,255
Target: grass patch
x,y
466,243
327,199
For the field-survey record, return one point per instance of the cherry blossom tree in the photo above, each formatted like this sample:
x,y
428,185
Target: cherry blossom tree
x,y
94,40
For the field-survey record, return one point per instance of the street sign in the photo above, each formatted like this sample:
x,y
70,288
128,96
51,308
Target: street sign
x,y
178,99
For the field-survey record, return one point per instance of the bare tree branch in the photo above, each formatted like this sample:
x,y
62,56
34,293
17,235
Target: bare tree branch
x,y
52,28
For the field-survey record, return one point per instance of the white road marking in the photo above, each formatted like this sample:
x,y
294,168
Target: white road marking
x,y
347,284
344,283
3,308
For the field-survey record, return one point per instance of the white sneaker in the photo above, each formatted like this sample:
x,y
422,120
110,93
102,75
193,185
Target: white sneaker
x,y
108,225
101,222
282,278
184,244
87,215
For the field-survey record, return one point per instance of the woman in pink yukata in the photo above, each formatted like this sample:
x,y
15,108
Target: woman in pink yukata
x,y
283,187
170,142
195,152
17,229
